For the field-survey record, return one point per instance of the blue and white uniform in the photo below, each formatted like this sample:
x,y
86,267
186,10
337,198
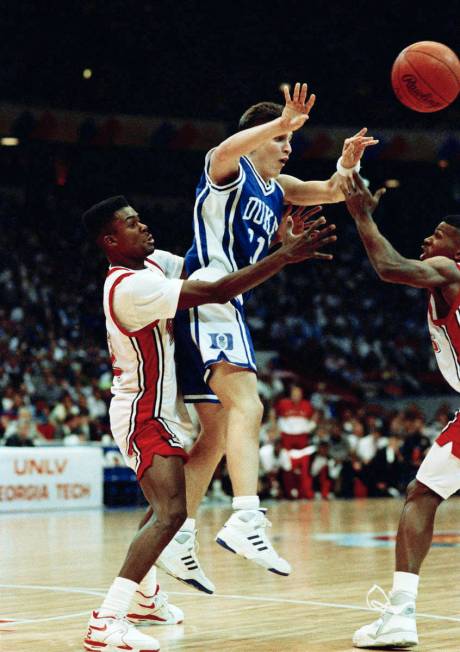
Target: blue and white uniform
x,y
233,227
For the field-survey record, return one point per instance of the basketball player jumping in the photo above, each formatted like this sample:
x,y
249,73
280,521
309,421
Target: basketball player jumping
x,y
438,271
142,292
238,210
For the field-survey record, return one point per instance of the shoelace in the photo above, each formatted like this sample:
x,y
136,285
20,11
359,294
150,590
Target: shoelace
x,y
383,607
264,523
376,605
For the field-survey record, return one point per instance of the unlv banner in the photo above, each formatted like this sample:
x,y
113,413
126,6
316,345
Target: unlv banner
x,y
49,478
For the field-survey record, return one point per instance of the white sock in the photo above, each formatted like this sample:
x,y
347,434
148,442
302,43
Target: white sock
x,y
148,586
246,502
119,597
406,582
188,525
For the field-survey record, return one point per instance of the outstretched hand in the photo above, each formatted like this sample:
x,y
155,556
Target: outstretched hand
x,y
304,245
360,201
353,148
296,110
300,217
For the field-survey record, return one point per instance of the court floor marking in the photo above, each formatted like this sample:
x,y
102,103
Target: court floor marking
x,y
249,598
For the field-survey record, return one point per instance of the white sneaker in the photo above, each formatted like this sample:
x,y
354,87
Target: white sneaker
x,y
396,626
244,533
154,610
112,634
179,560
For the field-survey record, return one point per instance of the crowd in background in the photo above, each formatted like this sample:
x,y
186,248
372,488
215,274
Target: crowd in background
x,y
347,338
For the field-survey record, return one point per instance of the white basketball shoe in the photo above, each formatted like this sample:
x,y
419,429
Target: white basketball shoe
x,y
154,610
244,534
180,560
396,627
114,634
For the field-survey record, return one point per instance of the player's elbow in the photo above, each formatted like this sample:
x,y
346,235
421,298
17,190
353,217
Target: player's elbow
x,y
223,153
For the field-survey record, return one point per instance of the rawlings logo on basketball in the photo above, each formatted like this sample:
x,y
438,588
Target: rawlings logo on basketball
x,y
222,341
410,82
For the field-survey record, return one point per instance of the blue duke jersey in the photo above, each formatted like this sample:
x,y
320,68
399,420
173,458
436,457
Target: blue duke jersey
x,y
234,224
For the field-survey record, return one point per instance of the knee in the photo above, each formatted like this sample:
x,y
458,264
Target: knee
x,y
416,491
172,521
251,406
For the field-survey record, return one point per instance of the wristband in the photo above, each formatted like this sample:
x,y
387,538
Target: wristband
x,y
347,172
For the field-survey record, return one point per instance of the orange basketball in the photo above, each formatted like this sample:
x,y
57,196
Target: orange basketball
x,y
426,76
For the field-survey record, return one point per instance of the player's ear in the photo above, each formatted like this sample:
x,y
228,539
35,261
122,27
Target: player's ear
x,y
457,256
109,240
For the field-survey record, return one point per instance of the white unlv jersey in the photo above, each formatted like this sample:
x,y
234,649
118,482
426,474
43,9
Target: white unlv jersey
x,y
445,337
139,306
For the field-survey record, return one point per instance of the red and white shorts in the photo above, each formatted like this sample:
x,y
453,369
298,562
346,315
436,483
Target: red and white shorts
x,y
440,470
149,438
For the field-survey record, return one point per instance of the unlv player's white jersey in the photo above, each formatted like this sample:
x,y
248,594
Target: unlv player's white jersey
x,y
445,337
139,306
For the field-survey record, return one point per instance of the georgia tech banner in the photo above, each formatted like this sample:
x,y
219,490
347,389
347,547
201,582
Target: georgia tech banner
x,y
49,478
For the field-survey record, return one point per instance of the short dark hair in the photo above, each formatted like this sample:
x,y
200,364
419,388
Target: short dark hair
x,y
453,220
99,215
259,114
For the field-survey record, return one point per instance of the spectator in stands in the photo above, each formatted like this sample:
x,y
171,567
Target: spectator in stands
x,y
295,419
273,461
415,445
385,469
322,470
22,431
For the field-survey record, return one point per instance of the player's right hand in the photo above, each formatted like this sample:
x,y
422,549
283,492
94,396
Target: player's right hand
x,y
361,203
296,110
298,247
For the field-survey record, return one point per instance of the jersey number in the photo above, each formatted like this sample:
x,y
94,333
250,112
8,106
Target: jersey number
x,y
260,245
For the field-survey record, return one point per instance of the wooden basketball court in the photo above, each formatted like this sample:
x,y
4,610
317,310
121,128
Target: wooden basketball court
x,y
55,568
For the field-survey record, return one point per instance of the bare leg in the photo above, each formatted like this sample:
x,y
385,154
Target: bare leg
x,y
163,485
205,454
415,531
237,391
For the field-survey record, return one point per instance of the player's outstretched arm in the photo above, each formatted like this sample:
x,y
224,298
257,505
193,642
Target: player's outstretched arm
x,y
226,156
307,193
294,249
438,271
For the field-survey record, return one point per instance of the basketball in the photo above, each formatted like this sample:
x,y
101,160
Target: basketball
x,y
426,76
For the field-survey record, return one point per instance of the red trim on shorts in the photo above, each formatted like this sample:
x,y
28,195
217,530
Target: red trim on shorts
x,y
145,406
451,433
153,439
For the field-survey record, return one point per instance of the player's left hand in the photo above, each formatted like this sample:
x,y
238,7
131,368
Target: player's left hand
x,y
361,203
353,148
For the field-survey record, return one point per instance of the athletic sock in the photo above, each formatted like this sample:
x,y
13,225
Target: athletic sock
x,y
148,586
188,525
246,502
406,583
119,597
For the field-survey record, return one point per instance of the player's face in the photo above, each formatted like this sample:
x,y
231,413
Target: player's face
x,y
271,157
132,238
443,242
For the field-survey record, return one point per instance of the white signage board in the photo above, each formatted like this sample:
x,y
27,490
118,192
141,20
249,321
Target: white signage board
x,y
50,478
